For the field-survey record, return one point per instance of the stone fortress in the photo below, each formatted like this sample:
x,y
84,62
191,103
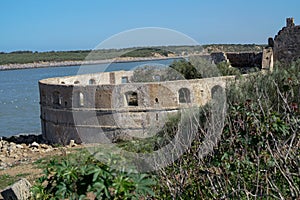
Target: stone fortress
x,y
83,107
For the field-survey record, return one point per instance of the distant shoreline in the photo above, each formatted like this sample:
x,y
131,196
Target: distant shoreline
x,y
83,62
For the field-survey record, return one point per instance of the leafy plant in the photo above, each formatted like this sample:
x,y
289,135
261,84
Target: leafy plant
x,y
75,177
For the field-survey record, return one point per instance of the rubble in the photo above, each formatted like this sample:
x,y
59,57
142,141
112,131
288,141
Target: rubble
x,y
21,149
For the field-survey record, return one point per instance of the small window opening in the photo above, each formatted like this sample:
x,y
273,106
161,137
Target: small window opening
x,y
76,82
81,99
216,92
184,95
156,78
66,103
63,82
132,98
124,79
92,82
156,116
156,100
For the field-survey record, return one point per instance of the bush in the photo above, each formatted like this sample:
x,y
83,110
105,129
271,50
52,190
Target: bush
x,y
258,153
75,177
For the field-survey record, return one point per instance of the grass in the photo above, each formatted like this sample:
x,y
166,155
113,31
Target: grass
x,y
7,180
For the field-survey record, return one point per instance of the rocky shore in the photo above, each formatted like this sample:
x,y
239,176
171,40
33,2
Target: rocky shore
x,y
84,62
25,149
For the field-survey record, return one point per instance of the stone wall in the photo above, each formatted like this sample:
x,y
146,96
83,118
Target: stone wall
x,y
88,112
245,60
287,43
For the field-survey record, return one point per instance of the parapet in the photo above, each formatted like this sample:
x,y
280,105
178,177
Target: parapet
x,y
290,22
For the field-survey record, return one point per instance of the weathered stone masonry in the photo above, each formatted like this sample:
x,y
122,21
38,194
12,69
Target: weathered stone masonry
x,y
82,107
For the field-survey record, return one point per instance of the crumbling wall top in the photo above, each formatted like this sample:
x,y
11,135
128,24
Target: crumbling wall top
x,y
290,22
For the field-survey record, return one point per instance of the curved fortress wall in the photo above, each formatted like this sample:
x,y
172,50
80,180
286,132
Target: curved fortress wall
x,y
83,107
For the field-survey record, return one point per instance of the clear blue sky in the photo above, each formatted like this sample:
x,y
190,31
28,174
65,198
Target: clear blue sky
x,y
44,25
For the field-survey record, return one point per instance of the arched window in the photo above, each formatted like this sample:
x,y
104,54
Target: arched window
x,y
216,92
184,95
56,98
76,82
92,82
156,78
81,99
131,98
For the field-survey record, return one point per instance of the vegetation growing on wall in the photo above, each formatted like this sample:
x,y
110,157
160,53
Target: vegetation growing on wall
x,y
194,68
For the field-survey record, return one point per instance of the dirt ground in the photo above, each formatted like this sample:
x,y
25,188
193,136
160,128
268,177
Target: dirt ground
x,y
29,166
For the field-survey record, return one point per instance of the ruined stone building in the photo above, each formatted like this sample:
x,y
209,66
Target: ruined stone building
x,y
285,47
79,107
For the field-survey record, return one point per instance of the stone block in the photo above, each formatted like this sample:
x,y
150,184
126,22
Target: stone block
x,y
18,191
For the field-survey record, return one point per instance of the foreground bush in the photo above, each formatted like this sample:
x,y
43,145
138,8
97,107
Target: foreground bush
x,y
257,156
79,177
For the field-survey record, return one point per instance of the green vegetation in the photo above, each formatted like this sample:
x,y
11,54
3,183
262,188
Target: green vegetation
x,y
257,156
20,57
234,47
80,175
7,180
186,69
147,52
195,68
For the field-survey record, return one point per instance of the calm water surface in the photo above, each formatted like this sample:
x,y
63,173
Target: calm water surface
x,y
19,95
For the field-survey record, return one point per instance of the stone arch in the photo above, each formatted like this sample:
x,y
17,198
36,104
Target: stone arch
x,y
216,91
184,95
131,98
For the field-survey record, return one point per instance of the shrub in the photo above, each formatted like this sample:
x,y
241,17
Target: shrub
x,y
75,177
258,153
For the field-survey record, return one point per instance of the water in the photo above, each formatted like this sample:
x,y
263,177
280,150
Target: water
x,y
19,94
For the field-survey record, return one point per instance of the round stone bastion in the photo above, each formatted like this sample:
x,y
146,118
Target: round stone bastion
x,y
95,108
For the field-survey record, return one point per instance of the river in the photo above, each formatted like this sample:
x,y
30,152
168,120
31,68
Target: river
x,y
19,94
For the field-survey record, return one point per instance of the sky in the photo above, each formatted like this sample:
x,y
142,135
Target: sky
x,y
58,25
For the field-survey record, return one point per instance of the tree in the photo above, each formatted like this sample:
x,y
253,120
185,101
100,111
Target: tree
x,y
186,69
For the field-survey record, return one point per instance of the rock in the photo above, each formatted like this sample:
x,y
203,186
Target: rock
x,y
19,146
18,191
35,149
35,144
45,146
72,143
48,150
